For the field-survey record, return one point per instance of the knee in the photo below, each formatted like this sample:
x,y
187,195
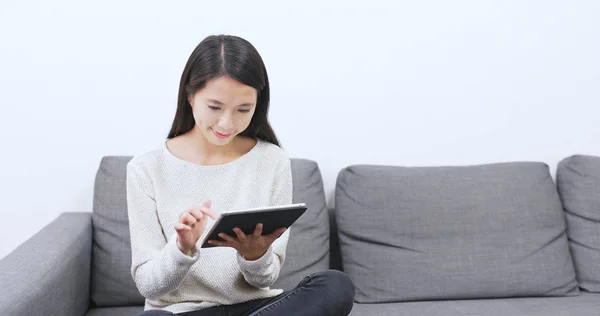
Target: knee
x,y
336,279
339,285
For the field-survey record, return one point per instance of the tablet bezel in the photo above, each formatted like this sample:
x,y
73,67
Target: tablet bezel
x,y
266,209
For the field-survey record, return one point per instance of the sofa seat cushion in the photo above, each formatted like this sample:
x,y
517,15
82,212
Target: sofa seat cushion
x,y
116,311
459,232
578,180
586,304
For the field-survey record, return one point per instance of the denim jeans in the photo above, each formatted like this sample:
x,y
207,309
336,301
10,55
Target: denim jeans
x,y
323,293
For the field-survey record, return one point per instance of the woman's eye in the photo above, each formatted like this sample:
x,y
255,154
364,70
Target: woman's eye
x,y
244,111
214,108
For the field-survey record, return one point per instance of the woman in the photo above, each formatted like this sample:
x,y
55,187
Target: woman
x,y
221,154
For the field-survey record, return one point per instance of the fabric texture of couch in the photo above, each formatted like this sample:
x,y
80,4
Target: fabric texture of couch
x,y
495,239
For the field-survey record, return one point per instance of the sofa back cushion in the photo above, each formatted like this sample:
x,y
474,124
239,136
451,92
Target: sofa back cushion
x,y
578,180
463,232
111,281
308,246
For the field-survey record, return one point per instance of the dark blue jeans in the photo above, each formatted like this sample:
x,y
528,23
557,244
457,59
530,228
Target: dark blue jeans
x,y
321,294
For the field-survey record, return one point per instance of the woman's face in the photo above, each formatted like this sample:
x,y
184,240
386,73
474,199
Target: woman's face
x,y
223,109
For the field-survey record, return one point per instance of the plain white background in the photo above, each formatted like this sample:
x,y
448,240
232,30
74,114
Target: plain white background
x,y
412,83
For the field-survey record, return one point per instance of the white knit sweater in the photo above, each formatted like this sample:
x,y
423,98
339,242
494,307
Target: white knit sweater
x,y
160,186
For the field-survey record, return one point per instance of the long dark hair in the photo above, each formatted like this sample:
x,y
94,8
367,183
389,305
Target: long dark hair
x,y
225,55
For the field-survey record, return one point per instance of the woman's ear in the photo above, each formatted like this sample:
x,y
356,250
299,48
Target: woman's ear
x,y
190,100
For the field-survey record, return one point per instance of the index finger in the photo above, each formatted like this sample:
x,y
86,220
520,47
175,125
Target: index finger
x,y
208,212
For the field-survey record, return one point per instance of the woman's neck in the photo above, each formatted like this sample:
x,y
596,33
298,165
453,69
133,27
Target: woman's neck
x,y
195,148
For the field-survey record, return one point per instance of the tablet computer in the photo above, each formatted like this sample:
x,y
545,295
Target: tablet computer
x,y
272,218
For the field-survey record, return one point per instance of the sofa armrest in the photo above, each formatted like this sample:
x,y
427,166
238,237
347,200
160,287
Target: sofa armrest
x,y
49,274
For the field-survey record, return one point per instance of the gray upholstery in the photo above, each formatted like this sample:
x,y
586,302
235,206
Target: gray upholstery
x,y
437,214
111,281
308,247
425,233
49,273
112,284
116,311
578,181
585,304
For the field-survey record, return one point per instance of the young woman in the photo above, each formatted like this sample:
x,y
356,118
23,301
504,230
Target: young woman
x,y
221,154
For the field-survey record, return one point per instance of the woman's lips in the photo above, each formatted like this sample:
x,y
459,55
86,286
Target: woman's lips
x,y
220,135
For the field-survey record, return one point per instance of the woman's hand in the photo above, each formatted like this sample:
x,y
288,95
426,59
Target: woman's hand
x,y
191,224
252,246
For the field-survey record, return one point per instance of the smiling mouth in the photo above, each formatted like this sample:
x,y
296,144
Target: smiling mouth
x,y
220,135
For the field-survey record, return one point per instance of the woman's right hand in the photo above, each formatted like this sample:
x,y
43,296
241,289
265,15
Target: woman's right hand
x,y
191,224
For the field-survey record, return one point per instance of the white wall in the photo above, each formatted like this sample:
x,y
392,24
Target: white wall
x,y
415,83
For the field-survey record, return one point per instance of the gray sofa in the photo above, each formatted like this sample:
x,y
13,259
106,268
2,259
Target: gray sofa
x,y
494,239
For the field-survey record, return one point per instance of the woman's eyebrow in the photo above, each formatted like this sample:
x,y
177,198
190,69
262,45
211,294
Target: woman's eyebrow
x,y
217,102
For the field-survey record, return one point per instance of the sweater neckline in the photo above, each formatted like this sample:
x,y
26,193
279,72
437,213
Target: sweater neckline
x,y
236,161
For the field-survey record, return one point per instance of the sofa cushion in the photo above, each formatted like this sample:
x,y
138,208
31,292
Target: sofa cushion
x,y
308,247
116,311
111,281
461,232
578,181
586,304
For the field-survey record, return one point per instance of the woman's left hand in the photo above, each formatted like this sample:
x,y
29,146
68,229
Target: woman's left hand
x,y
252,246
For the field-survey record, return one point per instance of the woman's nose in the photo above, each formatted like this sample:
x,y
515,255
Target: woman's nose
x,y
226,122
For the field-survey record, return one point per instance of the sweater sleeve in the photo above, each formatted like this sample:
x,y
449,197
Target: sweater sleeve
x,y
264,271
158,266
